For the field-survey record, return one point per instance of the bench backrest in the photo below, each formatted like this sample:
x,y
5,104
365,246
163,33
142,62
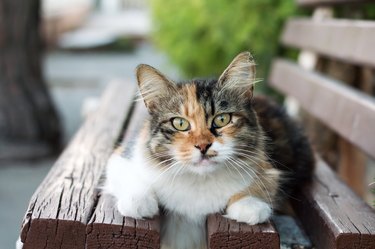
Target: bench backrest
x,y
336,97
333,82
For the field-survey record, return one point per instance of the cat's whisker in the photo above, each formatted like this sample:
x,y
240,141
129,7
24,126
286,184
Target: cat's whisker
x,y
227,167
152,160
261,152
177,172
257,157
244,166
168,168
257,177
233,161
255,164
261,178
250,175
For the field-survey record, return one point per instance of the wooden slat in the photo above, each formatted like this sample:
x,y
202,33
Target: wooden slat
x,y
62,205
226,233
317,3
347,40
345,110
333,216
108,228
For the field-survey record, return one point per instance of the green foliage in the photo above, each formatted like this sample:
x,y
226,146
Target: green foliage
x,y
202,36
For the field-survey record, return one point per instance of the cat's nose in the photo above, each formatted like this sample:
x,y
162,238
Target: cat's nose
x,y
203,147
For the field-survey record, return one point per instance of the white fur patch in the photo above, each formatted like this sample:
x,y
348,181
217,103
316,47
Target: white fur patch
x,y
250,210
130,185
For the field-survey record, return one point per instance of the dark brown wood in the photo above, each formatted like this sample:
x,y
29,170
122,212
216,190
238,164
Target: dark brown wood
x,y
348,40
332,214
348,112
226,233
64,202
27,114
107,227
317,3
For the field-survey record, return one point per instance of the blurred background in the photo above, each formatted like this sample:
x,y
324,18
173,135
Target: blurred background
x,y
56,58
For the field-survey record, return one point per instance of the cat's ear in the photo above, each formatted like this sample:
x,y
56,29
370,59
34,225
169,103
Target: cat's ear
x,y
239,75
153,85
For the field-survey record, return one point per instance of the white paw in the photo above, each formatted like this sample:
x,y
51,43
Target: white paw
x,y
250,210
138,207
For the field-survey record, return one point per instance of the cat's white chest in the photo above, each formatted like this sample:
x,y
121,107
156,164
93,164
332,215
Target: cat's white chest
x,y
196,196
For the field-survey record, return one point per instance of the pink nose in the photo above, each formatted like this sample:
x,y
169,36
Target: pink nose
x,y
203,147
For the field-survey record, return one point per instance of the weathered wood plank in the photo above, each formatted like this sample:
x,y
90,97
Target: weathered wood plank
x,y
345,110
62,205
332,214
226,233
347,40
108,228
317,3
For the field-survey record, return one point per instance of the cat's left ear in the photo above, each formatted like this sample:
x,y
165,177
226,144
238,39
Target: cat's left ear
x,y
239,75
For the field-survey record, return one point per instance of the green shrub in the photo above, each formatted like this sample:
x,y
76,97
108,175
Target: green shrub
x,y
202,36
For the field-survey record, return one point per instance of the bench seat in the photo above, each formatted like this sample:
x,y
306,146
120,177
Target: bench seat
x,y
68,210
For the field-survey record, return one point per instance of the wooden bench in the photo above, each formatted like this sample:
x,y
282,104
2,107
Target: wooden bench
x,y
332,215
68,211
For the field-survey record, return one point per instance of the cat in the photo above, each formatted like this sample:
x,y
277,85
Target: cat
x,y
208,146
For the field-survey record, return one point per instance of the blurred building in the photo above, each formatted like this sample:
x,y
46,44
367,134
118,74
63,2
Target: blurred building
x,y
105,20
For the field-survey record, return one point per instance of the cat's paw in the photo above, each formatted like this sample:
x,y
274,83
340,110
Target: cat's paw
x,y
139,207
250,210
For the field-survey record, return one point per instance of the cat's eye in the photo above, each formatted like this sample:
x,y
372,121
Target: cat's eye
x,y
221,120
180,124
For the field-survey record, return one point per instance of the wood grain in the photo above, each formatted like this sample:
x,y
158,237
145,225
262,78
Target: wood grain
x,y
63,204
107,227
226,233
347,111
347,40
317,3
332,214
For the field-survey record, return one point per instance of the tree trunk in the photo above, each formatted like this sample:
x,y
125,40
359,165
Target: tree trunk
x,y
28,118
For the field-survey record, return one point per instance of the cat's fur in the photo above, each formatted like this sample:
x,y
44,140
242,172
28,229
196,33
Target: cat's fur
x,y
242,169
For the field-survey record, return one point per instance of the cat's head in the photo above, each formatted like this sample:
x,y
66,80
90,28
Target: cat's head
x,y
202,125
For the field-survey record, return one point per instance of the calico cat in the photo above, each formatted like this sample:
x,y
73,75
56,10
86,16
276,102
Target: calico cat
x,y
208,146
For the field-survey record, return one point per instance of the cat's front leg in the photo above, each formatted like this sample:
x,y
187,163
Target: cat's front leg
x,y
250,210
131,188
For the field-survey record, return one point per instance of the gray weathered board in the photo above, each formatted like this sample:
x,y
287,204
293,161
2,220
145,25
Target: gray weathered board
x,y
349,112
347,40
63,203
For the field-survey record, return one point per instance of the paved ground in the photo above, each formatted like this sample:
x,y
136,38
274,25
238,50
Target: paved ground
x,y
72,78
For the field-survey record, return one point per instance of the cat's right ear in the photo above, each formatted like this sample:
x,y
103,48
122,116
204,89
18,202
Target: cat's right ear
x,y
153,85
239,75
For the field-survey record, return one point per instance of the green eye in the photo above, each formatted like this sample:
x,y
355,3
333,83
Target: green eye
x,y
221,120
180,124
